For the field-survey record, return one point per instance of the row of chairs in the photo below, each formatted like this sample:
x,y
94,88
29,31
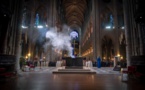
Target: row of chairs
x,y
5,73
133,72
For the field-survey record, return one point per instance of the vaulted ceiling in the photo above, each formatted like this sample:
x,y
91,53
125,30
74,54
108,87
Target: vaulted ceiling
x,y
74,12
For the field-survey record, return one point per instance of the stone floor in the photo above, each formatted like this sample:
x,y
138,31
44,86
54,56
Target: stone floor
x,y
44,79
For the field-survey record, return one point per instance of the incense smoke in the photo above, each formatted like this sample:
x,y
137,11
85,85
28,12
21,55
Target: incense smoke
x,y
59,40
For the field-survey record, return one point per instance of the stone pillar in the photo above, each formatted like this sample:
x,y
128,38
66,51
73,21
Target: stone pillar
x,y
127,30
13,37
6,43
96,30
94,34
141,49
52,24
117,52
18,8
80,42
31,29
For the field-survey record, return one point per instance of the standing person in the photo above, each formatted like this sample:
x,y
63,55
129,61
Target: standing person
x,y
35,62
87,63
40,62
99,62
22,62
84,61
27,62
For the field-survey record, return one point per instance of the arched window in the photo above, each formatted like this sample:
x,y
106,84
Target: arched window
x,y
37,19
109,22
25,18
74,35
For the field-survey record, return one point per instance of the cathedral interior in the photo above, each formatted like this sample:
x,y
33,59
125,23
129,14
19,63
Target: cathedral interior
x,y
52,29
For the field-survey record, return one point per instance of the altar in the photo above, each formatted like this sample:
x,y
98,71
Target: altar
x,y
73,62
73,66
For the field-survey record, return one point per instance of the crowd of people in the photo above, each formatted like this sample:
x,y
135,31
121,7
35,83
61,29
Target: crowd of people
x,y
58,63
28,63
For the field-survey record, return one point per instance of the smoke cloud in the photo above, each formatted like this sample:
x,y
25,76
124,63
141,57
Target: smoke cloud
x,y
59,40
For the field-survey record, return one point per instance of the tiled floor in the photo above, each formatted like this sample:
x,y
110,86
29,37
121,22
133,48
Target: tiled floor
x,y
43,79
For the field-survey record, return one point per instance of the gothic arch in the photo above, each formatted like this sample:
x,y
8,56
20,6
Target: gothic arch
x,y
107,48
74,12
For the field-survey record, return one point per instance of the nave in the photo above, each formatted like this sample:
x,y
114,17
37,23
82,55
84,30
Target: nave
x,y
43,79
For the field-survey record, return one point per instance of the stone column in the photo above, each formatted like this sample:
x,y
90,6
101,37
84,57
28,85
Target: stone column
x,y
31,29
94,34
141,49
127,30
96,30
18,8
13,37
52,24
80,41
117,52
